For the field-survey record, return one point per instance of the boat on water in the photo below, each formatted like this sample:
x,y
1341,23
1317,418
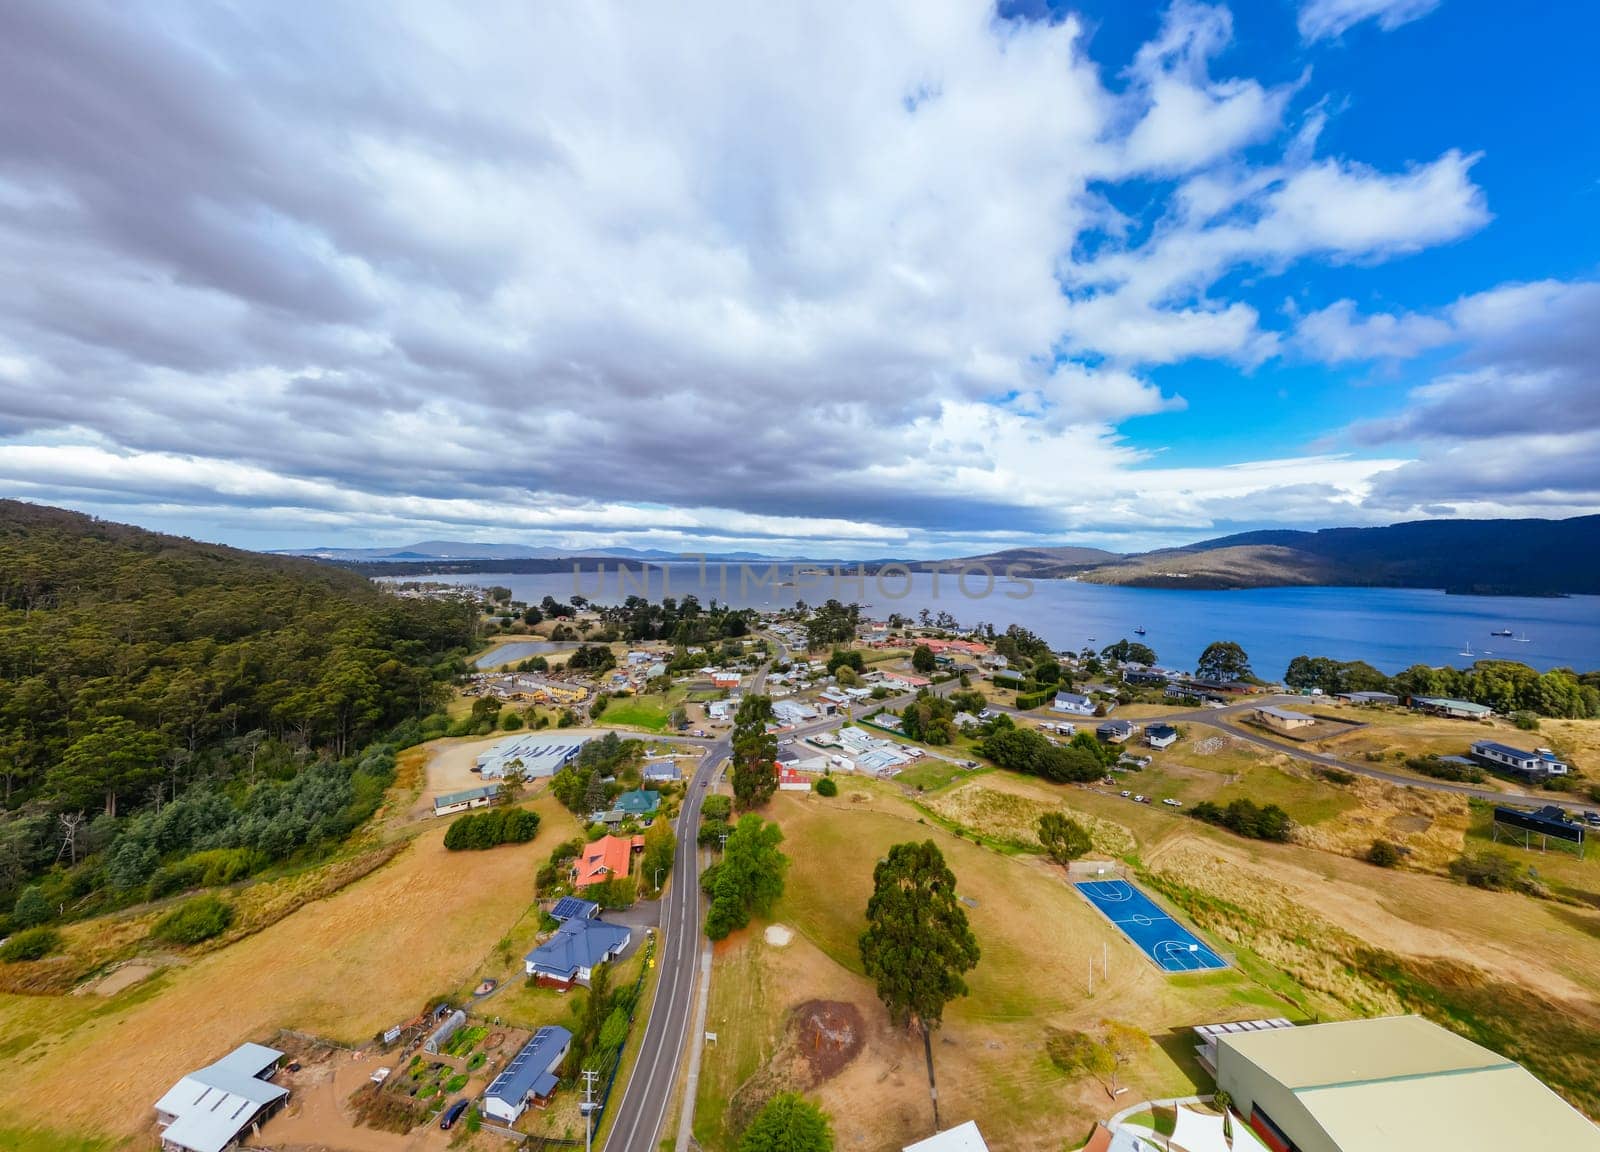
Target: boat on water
x,y
1523,639
1139,631
1467,651
1501,632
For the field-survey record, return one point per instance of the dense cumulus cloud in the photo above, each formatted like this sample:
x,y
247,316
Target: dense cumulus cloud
x,y
595,273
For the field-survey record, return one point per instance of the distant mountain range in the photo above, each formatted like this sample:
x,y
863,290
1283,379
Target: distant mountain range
x,y
1481,557
428,551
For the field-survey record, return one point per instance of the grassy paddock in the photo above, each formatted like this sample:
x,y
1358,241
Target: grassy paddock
x,y
1038,938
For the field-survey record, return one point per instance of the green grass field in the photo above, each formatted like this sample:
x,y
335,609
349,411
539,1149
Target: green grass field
x,y
651,712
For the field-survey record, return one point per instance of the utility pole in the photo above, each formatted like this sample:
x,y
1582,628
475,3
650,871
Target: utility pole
x,y
589,1075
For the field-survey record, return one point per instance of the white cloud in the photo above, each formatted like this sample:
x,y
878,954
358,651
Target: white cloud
x,y
1336,334
604,271
1327,19
1187,120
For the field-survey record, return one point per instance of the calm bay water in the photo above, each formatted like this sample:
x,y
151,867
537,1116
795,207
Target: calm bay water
x,y
1391,628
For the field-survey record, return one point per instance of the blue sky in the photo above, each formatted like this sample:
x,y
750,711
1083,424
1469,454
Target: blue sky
x,y
725,277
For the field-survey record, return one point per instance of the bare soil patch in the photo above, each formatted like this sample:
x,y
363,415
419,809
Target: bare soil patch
x,y
829,1034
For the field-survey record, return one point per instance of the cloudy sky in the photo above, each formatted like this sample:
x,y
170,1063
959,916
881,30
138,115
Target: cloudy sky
x,y
915,278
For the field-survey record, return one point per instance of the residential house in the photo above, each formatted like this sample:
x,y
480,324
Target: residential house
x,y
216,1106
604,859
1455,709
1116,731
572,908
1369,698
729,680
1072,704
1283,719
452,802
665,771
993,660
530,1078
1539,763
1161,735
905,681
721,711
574,950
639,802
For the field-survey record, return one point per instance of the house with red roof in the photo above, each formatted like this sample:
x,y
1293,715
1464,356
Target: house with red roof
x,y
608,858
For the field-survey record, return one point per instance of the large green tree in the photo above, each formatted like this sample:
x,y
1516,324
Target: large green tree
x,y
1223,660
748,880
755,754
1063,837
788,1123
917,947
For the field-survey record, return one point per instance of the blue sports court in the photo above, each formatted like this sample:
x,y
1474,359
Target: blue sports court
x,y
1172,946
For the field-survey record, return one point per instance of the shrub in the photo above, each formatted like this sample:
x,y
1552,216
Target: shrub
x,y
1441,769
716,808
32,909
1385,853
1245,818
1337,776
195,920
33,944
1488,870
826,787
477,831
1527,721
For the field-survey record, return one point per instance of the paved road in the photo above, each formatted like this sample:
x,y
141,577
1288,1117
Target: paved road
x,y
642,1108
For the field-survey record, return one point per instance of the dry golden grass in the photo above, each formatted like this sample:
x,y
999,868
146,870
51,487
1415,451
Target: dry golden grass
x,y
337,958
998,813
1431,826
1038,938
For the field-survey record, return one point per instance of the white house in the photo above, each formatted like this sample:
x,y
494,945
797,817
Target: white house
x,y
1161,736
1072,704
452,802
1539,762
211,1108
530,1077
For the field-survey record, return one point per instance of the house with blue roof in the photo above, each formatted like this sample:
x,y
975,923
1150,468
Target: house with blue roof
x,y
530,1078
571,955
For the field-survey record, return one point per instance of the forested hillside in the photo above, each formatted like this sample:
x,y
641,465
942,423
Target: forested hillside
x,y
138,669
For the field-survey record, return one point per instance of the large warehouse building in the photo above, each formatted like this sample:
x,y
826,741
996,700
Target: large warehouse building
x,y
1390,1084
540,753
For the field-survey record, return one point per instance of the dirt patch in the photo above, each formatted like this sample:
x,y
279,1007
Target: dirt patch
x,y
829,1034
778,936
120,977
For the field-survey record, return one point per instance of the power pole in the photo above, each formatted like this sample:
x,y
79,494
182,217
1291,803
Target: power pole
x,y
589,1075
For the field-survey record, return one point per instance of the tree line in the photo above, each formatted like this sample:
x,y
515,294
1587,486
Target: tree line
x,y
141,672
1504,685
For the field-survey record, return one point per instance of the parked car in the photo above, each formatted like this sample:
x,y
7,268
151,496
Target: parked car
x,y
1138,799
1126,793
1171,803
452,1114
